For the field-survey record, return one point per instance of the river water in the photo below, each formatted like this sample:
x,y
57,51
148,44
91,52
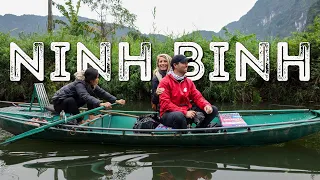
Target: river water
x,y
36,159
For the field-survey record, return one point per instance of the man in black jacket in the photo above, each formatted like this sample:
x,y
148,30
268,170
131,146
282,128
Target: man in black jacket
x,y
83,90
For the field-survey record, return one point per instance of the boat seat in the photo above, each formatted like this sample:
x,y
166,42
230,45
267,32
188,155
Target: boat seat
x,y
24,111
40,93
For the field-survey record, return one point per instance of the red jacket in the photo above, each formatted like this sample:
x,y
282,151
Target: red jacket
x,y
177,95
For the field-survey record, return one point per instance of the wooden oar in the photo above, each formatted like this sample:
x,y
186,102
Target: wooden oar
x,y
93,120
107,113
118,113
125,111
42,128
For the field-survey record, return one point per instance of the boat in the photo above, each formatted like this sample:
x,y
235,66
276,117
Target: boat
x,y
116,127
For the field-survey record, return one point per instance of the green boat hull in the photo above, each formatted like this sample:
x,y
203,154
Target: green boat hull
x,y
264,127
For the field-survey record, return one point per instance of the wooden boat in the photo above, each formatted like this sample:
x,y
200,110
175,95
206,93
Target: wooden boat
x,y
116,127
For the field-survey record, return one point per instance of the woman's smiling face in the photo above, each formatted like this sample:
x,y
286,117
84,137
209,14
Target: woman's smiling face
x,y
162,64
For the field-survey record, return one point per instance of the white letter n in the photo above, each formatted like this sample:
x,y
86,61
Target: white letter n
x,y
103,65
35,65
244,57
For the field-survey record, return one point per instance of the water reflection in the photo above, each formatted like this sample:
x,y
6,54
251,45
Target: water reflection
x,y
65,161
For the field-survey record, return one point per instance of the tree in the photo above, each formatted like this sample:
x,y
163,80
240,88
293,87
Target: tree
x,y
112,15
50,19
74,27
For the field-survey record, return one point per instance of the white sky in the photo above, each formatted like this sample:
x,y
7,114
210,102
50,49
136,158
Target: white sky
x,y
172,16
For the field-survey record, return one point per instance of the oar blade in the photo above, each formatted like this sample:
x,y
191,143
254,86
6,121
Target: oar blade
x,y
20,136
31,132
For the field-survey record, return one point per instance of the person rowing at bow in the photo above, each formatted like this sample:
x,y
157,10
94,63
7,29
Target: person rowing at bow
x,y
84,90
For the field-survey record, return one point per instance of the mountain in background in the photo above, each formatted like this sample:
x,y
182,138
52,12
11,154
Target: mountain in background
x,y
27,23
15,25
273,18
313,12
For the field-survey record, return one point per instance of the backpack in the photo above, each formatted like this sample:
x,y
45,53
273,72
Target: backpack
x,y
213,125
150,121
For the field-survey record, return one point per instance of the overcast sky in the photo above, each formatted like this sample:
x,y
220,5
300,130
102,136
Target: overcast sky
x,y
172,16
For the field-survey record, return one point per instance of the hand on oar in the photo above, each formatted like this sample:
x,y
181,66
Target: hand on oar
x,y
107,105
121,101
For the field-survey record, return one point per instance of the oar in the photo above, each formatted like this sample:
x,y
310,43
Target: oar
x,y
42,128
93,120
118,113
108,112
125,111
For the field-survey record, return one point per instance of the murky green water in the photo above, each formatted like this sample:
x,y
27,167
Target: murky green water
x,y
30,159
34,159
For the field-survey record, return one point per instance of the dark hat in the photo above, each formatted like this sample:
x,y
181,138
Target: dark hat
x,y
180,58
90,74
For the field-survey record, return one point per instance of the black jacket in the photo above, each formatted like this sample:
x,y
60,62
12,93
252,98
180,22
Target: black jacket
x,y
155,83
80,90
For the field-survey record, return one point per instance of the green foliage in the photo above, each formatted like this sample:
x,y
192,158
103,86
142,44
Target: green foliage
x,y
74,26
254,89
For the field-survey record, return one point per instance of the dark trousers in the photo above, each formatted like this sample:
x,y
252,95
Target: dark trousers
x,y
71,105
177,120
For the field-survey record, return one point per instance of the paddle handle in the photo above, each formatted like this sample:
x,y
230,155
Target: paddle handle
x,y
118,113
93,120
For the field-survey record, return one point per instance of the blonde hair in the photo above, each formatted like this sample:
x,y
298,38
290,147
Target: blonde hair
x,y
166,57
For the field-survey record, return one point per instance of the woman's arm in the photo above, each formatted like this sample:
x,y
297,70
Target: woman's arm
x,y
101,93
154,96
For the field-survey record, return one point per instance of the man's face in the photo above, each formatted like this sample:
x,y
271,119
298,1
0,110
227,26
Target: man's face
x,y
181,67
